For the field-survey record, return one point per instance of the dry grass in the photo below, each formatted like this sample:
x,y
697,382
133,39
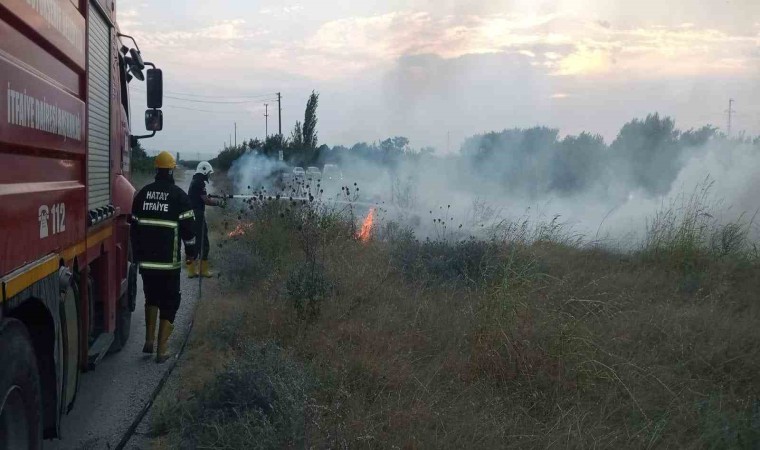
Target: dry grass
x,y
555,346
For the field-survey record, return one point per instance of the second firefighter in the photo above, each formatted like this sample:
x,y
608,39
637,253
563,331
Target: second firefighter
x,y
199,199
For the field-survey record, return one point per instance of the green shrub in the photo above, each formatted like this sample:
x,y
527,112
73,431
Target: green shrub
x,y
686,235
307,287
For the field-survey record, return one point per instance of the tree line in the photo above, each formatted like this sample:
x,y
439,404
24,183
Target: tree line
x,y
647,154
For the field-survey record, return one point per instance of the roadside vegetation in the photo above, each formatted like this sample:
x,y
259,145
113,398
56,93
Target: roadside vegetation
x,y
523,336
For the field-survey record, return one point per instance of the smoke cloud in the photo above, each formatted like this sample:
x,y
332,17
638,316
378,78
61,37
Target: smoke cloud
x,y
253,171
604,192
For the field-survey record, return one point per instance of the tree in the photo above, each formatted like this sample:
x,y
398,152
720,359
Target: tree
x,y
227,157
140,161
577,163
309,134
698,137
254,145
273,144
138,152
296,138
650,152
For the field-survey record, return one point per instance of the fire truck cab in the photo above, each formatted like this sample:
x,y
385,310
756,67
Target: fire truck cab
x,y
67,287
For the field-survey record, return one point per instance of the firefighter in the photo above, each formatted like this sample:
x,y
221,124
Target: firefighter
x,y
199,199
161,216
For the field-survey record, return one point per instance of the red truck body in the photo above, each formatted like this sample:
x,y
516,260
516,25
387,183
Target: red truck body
x,y
64,190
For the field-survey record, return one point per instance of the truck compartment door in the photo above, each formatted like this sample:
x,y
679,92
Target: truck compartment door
x,y
99,111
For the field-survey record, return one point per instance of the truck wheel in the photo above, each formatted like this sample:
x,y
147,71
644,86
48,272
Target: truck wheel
x,y
20,398
70,329
123,324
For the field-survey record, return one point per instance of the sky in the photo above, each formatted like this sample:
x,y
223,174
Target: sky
x,y
438,71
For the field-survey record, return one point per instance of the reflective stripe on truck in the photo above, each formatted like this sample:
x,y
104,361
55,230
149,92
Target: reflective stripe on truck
x,y
21,279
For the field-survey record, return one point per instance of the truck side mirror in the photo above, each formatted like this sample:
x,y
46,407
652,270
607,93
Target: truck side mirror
x,y
155,87
154,120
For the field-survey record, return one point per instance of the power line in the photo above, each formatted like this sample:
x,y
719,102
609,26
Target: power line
x,y
241,111
215,102
271,94
211,102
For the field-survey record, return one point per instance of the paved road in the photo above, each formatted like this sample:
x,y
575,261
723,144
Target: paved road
x,y
113,394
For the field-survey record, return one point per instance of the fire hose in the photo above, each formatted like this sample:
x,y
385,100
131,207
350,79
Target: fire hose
x,y
174,360
288,198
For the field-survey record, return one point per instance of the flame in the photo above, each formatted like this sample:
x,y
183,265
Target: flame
x,y
240,229
366,230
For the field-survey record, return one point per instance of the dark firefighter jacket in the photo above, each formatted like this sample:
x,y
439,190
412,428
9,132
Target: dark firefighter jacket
x,y
161,216
196,192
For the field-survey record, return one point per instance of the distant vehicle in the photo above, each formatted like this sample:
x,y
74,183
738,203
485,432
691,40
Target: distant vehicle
x,y
331,172
313,172
298,172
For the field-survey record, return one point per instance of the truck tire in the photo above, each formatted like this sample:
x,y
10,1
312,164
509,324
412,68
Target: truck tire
x,y
123,325
20,397
126,307
70,329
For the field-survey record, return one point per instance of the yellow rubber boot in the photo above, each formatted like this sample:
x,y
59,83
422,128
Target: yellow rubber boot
x,y
165,329
205,272
191,272
151,315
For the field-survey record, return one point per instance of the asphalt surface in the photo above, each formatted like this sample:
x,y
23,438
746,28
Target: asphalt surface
x,y
112,395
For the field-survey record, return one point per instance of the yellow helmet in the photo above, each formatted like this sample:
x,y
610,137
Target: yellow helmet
x,y
165,160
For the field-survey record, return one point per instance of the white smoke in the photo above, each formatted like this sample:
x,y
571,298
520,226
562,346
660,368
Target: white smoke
x,y
253,171
449,188
428,191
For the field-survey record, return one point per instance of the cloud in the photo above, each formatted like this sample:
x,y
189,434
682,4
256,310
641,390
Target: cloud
x,y
128,18
284,10
595,47
561,44
229,31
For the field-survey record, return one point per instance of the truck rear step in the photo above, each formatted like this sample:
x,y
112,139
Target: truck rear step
x,y
99,349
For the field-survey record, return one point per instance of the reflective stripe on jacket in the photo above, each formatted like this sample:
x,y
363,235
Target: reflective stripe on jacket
x,y
161,216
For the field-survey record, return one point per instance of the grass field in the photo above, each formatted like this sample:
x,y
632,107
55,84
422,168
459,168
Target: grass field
x,y
526,337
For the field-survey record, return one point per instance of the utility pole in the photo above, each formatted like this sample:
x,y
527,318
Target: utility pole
x,y
730,114
235,134
266,121
448,142
279,107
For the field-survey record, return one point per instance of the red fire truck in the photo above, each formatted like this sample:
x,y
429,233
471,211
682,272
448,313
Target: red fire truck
x,y
68,288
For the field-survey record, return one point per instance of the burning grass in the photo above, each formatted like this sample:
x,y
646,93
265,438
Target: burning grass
x,y
525,340
366,231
